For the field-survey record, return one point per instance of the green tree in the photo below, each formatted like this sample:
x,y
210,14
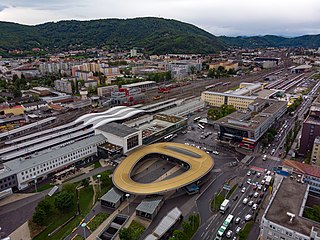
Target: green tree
x,y
85,182
39,217
64,200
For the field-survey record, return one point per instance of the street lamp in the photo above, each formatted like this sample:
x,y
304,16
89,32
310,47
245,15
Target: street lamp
x,y
84,225
127,196
99,176
35,183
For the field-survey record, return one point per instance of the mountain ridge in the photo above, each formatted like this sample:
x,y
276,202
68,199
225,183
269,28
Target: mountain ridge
x,y
150,34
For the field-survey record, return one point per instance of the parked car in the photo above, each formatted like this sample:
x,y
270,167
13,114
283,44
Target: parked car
x,y
250,203
235,198
248,217
255,206
248,173
238,220
245,201
250,195
238,229
240,185
229,234
243,189
256,194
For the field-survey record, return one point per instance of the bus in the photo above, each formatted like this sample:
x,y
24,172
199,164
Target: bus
x,y
196,119
224,227
168,138
200,126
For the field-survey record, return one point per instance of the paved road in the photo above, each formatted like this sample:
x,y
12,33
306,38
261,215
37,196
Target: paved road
x,y
14,214
212,222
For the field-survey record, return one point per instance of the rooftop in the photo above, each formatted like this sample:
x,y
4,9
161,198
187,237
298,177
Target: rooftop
x,y
113,195
117,129
229,95
149,205
252,120
16,166
278,208
311,170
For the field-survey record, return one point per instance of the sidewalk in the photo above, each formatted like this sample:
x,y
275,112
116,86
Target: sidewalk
x,y
15,197
22,233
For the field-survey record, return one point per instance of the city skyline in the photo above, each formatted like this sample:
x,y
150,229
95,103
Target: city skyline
x,y
230,18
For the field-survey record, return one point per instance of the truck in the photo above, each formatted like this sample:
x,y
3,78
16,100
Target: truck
x,y
268,180
224,206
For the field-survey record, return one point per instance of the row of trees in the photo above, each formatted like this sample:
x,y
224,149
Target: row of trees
x,y
221,72
61,202
189,228
217,113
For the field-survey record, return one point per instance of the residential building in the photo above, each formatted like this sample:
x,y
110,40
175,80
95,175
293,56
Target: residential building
x,y
315,156
64,85
133,52
227,65
107,90
83,75
283,219
34,106
310,128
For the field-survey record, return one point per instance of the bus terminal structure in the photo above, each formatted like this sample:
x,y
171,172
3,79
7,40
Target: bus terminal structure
x,y
199,164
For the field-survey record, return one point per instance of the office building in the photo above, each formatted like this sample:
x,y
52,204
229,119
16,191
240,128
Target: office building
x,y
217,99
20,174
310,174
283,219
248,127
118,134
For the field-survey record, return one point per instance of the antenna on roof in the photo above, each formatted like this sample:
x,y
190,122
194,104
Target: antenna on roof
x,y
291,215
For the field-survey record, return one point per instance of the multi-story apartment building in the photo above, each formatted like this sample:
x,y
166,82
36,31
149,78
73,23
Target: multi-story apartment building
x,y
63,85
310,128
315,156
107,90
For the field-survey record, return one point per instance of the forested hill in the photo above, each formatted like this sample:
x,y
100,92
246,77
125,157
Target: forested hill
x,y
154,35
150,35
306,41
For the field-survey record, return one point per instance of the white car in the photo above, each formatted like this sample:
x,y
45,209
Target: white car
x,y
263,182
256,194
245,201
248,173
243,189
229,234
238,229
250,203
215,152
248,217
255,206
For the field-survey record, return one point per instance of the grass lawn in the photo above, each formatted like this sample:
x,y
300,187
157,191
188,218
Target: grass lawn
x,y
216,202
97,220
134,231
97,164
245,231
58,218
231,191
77,237
43,187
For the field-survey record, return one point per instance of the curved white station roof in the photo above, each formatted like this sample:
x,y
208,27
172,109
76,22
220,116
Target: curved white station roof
x,y
111,115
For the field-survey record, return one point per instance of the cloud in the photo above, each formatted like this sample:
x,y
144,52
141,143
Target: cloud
x,y
228,17
2,7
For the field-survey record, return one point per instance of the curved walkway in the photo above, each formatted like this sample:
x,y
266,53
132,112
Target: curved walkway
x,y
200,164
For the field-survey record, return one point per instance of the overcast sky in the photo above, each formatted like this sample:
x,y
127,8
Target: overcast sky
x,y
219,17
